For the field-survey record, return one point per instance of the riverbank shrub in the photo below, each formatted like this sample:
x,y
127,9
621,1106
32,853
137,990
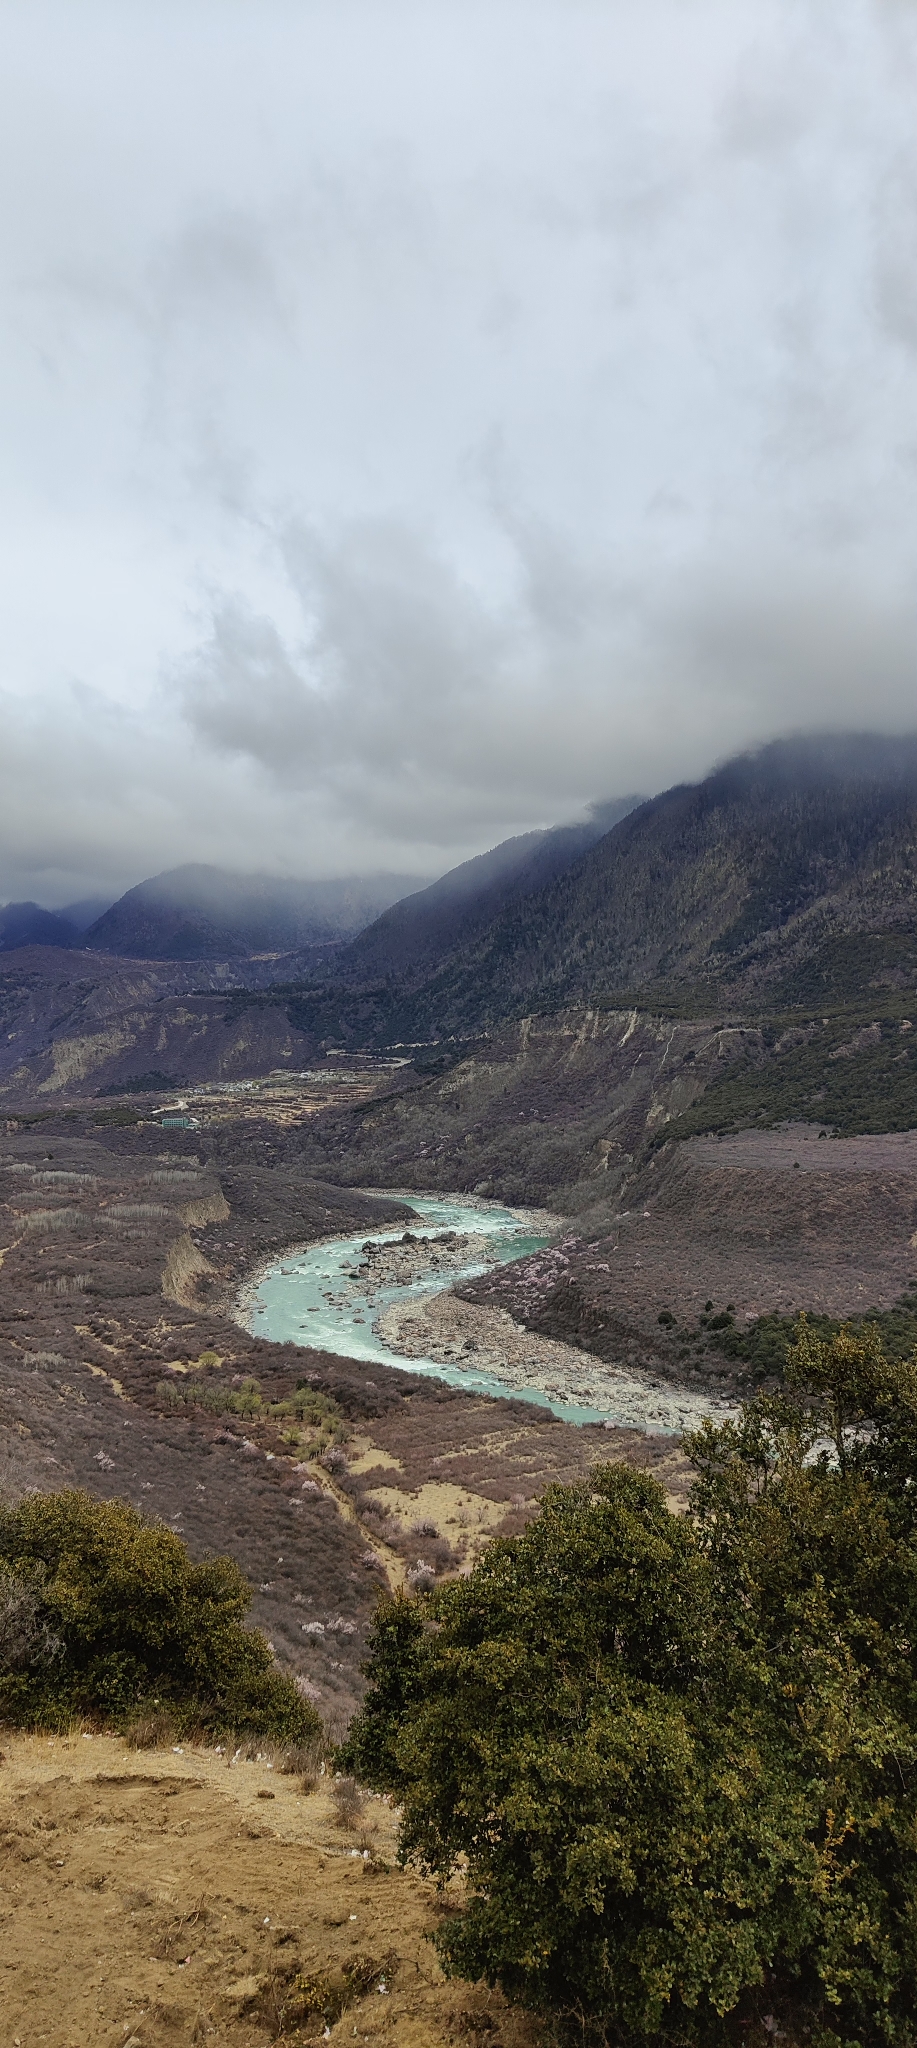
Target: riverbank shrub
x,y
308,1420
677,1759
104,1615
764,1344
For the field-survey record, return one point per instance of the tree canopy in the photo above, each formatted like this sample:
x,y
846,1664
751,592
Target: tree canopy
x,y
104,1614
676,1759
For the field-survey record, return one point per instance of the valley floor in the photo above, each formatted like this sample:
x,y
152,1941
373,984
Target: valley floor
x,y
122,1372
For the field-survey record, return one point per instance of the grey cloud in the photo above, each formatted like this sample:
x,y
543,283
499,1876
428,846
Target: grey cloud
x,y
418,426
412,709
896,239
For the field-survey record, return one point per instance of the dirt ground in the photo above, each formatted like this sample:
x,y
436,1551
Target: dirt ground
x,y
161,1898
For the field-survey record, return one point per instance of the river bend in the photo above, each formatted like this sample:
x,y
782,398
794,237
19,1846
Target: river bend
x,y
384,1297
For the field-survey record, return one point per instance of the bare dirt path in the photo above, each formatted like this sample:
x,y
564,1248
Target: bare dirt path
x,y
394,1566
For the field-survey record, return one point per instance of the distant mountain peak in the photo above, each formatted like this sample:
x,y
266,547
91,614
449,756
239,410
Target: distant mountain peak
x,y
27,924
200,912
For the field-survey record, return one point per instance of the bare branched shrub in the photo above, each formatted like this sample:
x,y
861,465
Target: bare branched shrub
x,y
25,1638
336,1723
52,1220
302,1761
421,1576
349,1802
424,1528
58,1177
136,1212
152,1731
323,1995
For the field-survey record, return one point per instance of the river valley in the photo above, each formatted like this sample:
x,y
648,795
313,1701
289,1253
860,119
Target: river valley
x,y
387,1299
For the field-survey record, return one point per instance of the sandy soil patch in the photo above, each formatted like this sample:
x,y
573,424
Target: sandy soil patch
x,y
364,1456
467,1518
159,1898
464,1517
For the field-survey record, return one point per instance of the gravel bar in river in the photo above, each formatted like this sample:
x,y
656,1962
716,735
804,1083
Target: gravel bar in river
x,y
387,1298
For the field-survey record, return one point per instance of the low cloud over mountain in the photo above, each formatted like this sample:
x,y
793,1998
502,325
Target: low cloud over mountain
x,y
415,431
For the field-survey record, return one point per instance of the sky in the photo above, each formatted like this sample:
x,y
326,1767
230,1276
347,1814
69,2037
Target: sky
x,y
420,420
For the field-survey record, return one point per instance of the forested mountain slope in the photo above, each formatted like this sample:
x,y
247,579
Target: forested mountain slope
x,y
416,935
749,885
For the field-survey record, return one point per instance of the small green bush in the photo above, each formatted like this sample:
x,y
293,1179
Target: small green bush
x,y
304,1409
107,1617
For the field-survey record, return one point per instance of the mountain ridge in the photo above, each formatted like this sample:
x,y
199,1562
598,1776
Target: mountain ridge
x,y
461,903
732,881
199,912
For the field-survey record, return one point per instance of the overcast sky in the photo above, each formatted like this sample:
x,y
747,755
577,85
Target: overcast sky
x,y
419,420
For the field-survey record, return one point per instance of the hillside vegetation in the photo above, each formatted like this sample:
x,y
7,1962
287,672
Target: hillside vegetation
x,y
103,1613
419,932
744,882
854,1071
676,1759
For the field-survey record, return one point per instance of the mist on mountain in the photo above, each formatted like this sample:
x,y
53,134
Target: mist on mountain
x,y
795,860
197,912
419,930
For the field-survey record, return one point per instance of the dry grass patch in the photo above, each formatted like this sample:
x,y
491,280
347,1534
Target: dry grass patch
x,y
455,1511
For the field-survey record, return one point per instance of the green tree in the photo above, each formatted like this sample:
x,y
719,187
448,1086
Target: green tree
x,y
676,1760
103,1613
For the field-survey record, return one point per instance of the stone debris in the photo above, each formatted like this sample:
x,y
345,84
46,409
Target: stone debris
x,y
475,1339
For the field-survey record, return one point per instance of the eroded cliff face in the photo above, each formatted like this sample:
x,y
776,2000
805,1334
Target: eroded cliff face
x,y
556,1110
71,1025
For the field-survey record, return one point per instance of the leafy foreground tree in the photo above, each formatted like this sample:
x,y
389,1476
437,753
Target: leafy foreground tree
x,y
676,1760
103,1614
